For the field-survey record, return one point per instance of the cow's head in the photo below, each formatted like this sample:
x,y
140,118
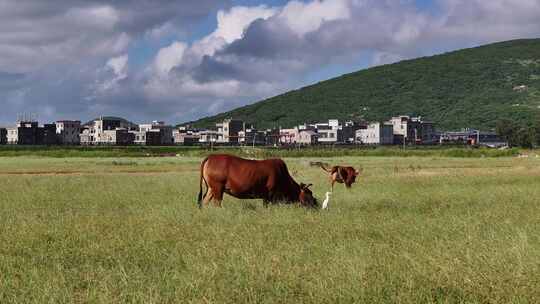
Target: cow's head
x,y
306,197
350,176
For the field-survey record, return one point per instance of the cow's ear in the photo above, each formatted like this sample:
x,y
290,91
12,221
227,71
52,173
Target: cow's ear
x,y
308,185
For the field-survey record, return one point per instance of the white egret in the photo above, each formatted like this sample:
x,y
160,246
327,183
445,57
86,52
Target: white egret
x,y
326,200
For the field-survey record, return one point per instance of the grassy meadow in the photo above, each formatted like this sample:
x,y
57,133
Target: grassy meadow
x,y
412,230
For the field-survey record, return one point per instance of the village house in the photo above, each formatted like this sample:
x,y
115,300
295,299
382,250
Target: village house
x,y
30,133
118,136
472,137
252,136
376,134
288,136
68,132
298,136
164,133
272,137
328,133
208,136
94,132
146,138
413,130
3,136
308,137
228,130
184,136
348,131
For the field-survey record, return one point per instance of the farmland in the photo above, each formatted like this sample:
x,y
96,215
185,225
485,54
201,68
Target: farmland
x,y
412,230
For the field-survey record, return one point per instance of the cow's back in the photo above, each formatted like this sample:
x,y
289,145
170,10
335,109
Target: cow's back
x,y
245,178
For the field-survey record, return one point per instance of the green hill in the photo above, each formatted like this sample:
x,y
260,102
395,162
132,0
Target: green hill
x,y
467,88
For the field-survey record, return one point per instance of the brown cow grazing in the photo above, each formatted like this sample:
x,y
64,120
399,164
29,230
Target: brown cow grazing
x,y
341,174
268,180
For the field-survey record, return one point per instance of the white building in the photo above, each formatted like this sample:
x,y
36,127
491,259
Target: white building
x,y
288,136
329,133
12,135
376,134
413,130
68,131
118,136
208,136
228,130
183,136
307,137
93,133
165,133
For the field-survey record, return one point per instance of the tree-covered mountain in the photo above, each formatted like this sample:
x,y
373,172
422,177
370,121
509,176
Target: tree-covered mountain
x,y
468,88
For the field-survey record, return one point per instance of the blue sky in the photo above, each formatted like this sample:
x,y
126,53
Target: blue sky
x,y
182,60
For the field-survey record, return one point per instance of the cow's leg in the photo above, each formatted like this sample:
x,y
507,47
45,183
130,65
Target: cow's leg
x,y
218,195
209,195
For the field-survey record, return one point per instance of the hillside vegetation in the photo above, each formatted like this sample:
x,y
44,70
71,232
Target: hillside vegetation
x,y
466,88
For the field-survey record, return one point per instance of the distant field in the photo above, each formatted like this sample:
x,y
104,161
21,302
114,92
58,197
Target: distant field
x,y
260,152
413,230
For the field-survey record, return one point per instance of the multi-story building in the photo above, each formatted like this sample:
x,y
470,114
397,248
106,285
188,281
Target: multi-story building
x,y
288,136
348,131
3,136
424,131
30,133
93,132
24,133
68,132
412,130
228,130
165,133
307,137
376,134
47,135
208,136
299,136
147,138
185,136
86,138
329,133
272,137
252,136
118,136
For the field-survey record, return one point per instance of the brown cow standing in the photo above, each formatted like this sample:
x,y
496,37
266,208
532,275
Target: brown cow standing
x,y
249,179
341,174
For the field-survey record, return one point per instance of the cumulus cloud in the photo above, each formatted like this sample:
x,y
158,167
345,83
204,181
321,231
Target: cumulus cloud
x,y
186,71
169,57
36,34
70,57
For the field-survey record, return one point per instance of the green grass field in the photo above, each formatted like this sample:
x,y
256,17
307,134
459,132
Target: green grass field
x,y
412,230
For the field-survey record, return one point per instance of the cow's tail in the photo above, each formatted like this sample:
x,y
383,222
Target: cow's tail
x,y
199,200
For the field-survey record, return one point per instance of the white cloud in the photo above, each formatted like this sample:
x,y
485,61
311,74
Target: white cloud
x,y
303,17
169,57
233,23
102,17
114,71
119,66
